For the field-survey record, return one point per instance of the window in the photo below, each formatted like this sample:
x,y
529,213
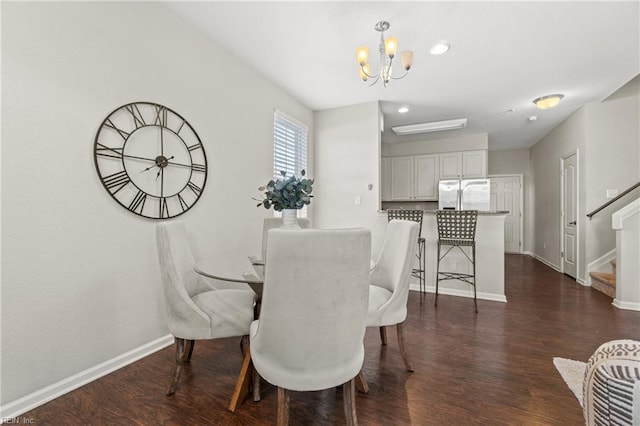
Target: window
x,y
289,148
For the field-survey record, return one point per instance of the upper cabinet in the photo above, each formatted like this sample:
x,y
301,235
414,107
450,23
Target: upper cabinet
x,y
427,176
415,177
385,184
462,165
402,178
410,178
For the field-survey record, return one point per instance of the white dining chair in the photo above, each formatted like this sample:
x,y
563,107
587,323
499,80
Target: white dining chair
x,y
389,282
270,223
195,309
314,304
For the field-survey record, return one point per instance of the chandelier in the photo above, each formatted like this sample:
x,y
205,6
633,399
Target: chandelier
x,y
387,48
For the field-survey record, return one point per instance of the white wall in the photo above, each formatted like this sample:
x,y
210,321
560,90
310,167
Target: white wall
x,y
80,279
452,144
613,144
545,166
511,162
347,159
608,137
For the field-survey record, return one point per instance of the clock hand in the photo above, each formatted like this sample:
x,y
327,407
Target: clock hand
x,y
120,154
158,164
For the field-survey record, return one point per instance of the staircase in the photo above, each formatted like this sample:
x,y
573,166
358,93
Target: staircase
x,y
605,282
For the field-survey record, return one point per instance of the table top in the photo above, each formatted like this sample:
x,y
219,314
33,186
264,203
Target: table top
x,y
240,270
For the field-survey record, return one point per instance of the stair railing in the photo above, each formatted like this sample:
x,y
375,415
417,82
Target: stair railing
x,y
613,200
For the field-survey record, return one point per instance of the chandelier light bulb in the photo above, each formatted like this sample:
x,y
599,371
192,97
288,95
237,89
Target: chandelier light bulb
x,y
407,59
362,55
391,47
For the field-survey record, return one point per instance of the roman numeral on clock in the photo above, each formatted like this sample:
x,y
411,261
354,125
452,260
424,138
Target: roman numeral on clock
x,y
138,119
116,181
138,202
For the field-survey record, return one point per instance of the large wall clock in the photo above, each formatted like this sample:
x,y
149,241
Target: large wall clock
x,y
150,160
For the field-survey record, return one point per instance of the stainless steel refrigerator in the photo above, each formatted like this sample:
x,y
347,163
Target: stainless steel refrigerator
x,y
464,194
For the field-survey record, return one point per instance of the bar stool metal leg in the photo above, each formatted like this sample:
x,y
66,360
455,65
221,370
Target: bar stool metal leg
x,y
473,258
437,276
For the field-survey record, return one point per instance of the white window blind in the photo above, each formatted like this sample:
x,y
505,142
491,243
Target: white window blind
x,y
289,147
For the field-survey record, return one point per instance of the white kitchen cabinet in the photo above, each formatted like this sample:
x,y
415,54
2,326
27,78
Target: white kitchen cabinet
x,y
474,164
466,164
402,178
427,175
385,177
450,165
410,178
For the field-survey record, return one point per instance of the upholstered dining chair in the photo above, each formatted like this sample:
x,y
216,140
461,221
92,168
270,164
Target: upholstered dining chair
x,y
389,282
195,309
314,305
270,223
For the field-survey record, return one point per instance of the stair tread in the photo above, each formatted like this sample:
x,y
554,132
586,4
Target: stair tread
x,y
605,277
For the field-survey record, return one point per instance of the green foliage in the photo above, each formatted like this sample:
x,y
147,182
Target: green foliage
x,y
286,192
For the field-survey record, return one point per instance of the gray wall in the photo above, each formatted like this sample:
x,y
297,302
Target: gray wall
x,y
606,134
80,275
512,162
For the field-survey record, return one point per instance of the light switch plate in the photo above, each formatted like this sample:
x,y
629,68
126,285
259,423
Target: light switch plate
x,y
612,193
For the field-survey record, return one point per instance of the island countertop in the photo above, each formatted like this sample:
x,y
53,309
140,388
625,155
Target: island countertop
x,y
480,213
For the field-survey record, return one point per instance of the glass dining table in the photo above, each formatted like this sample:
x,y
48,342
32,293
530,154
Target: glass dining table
x,y
251,272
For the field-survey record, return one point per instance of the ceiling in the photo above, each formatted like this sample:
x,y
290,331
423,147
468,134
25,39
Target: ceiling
x,y
502,56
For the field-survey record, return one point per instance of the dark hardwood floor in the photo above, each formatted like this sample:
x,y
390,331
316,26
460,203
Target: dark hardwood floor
x,y
490,368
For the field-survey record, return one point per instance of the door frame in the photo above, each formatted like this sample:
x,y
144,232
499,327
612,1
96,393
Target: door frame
x,y
575,152
521,179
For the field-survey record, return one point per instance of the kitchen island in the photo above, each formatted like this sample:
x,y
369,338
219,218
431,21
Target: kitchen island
x,y
489,259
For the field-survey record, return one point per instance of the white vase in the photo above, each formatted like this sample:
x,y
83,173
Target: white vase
x,y
290,219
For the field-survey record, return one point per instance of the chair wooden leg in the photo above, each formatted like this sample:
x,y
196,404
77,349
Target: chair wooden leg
x,y
361,383
383,335
403,348
256,385
242,383
188,351
435,303
349,398
173,384
283,407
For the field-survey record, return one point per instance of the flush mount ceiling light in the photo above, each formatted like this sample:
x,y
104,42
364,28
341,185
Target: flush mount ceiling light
x,y
440,48
403,110
387,48
434,126
549,101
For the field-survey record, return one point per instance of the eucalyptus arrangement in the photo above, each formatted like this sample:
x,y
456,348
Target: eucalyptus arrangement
x,y
286,192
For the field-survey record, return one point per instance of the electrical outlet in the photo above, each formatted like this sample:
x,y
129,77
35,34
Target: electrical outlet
x,y
358,200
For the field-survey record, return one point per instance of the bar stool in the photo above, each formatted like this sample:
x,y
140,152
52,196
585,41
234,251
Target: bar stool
x,y
457,228
416,216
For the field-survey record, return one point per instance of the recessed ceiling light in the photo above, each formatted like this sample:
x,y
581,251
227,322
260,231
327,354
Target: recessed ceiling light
x,y
548,101
532,118
403,109
440,48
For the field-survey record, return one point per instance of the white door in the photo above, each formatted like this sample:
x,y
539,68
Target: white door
x,y
569,216
506,196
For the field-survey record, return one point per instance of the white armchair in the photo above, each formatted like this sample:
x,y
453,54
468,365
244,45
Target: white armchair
x,y
390,278
314,304
195,309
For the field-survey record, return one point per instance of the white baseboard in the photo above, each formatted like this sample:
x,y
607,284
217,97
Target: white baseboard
x,y
546,262
626,305
14,408
462,293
